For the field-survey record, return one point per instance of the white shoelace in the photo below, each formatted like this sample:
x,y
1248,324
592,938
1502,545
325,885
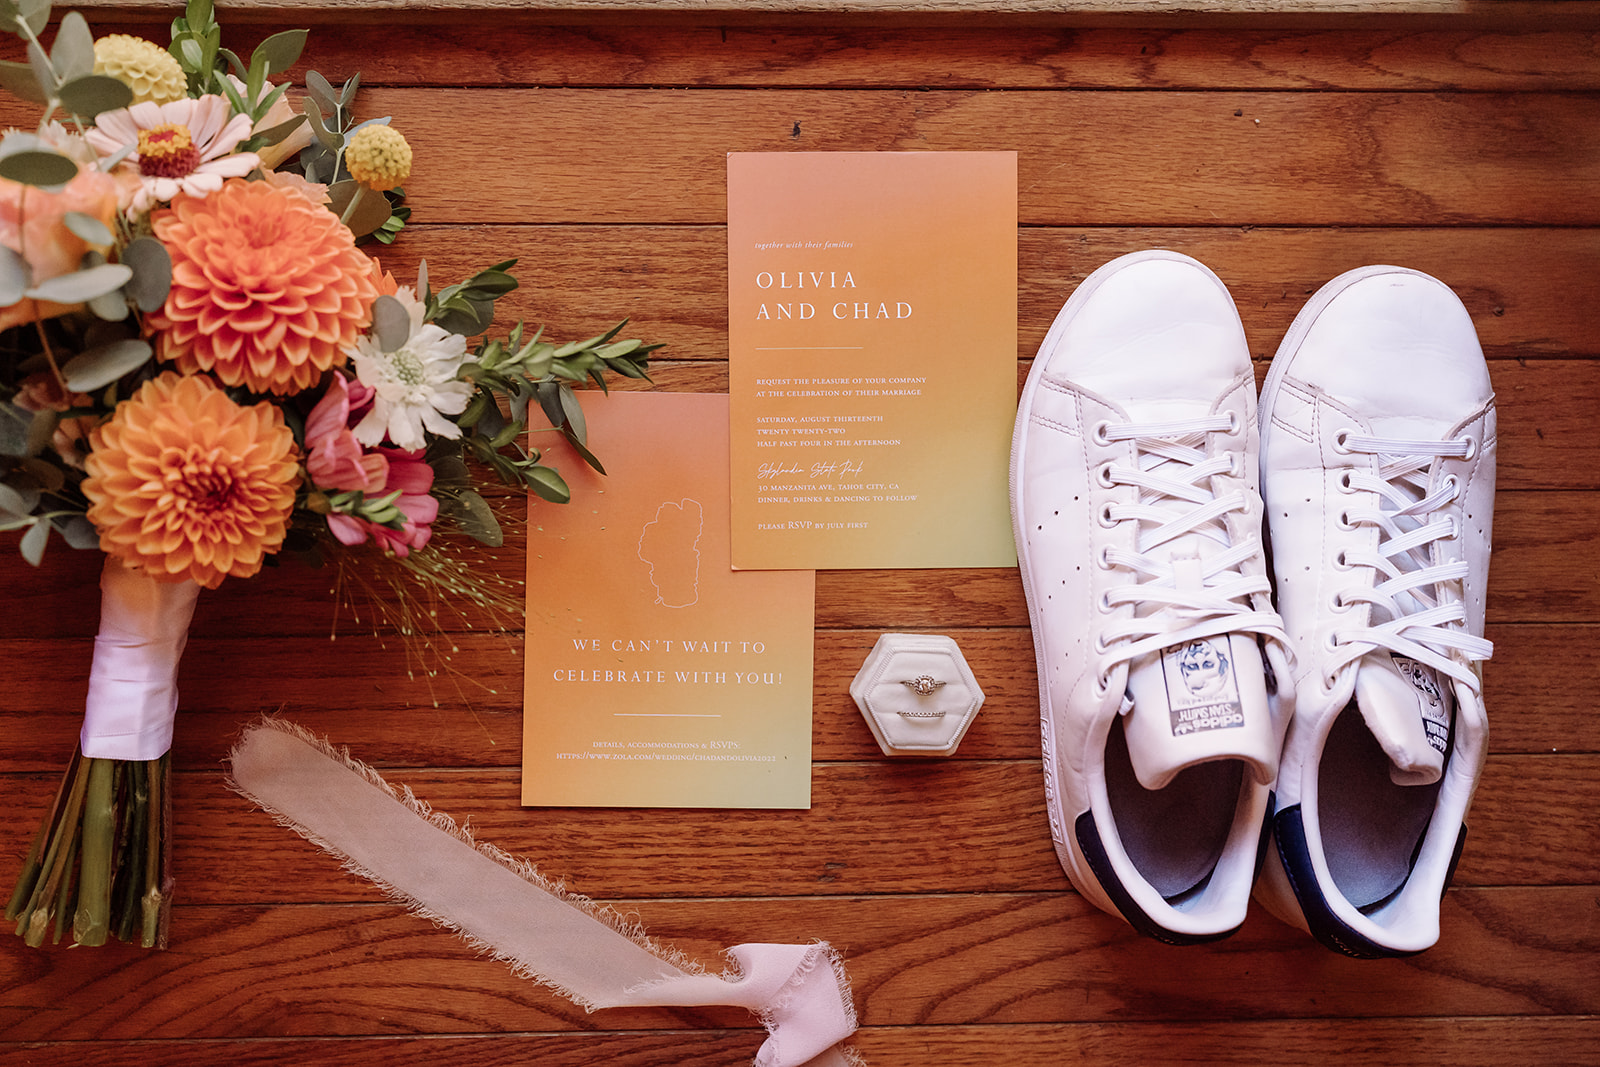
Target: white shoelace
x,y
1418,602
1184,597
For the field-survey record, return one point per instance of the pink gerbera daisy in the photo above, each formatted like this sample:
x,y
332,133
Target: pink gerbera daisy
x,y
186,146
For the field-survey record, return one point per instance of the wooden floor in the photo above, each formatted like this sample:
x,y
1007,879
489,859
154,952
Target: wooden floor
x,y
594,154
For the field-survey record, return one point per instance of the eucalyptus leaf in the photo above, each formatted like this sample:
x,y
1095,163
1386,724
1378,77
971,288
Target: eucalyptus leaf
x,y
476,519
36,13
91,229
319,88
348,92
280,51
82,285
73,53
43,72
152,272
38,167
88,371
548,484
15,277
91,94
17,502
18,80
14,423
372,209
109,307
391,323
78,532
576,423
329,140
198,12
34,542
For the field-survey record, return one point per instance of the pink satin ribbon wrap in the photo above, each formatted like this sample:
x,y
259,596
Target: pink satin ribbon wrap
x,y
133,682
502,906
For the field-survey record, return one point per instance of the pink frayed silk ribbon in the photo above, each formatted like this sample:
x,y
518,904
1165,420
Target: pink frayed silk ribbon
x,y
133,681
505,908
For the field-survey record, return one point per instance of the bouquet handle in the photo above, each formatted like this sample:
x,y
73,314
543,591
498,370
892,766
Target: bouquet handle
x,y
133,683
100,860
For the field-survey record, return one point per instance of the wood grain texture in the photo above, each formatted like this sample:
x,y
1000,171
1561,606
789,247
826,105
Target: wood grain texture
x,y
1278,151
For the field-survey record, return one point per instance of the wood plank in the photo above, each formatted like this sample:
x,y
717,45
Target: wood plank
x,y
1103,158
921,960
516,54
672,281
1009,13
1537,534
1536,690
962,827
1442,1042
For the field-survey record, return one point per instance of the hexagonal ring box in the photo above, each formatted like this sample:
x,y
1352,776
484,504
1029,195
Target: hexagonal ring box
x,y
917,694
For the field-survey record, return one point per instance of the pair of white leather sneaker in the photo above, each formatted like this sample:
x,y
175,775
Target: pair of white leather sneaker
x,y
1186,722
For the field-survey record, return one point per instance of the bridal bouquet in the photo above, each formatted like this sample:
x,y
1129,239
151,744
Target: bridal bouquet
x,y
200,369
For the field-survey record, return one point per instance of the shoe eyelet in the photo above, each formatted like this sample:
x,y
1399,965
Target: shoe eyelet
x,y
1100,435
1106,608
1336,603
1102,476
1105,518
1341,442
1330,682
1345,485
1330,643
1344,521
1102,683
1103,561
1100,646
1234,425
1455,529
1340,563
1455,486
1472,448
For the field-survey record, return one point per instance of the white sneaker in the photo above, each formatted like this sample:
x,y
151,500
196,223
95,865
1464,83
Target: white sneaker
x,y
1138,526
1377,463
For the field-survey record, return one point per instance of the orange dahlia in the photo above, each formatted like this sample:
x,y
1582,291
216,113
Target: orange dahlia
x,y
267,287
184,483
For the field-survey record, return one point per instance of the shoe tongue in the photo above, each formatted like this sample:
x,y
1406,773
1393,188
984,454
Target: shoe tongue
x,y
1408,711
1197,702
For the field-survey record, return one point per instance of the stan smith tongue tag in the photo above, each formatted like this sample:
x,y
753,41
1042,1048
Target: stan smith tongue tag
x,y
1200,701
1408,711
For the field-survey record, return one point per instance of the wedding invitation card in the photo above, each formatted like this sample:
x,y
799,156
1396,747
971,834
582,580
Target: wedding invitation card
x,y
657,676
872,300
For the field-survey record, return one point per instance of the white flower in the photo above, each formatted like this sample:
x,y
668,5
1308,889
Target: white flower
x,y
415,386
186,146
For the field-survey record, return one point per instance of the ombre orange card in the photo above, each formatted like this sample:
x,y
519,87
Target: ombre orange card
x,y
656,675
872,302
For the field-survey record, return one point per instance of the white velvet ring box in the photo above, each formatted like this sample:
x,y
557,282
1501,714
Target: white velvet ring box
x,y
917,694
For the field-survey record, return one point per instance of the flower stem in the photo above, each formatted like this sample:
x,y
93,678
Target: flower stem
x,y
157,899
57,863
91,923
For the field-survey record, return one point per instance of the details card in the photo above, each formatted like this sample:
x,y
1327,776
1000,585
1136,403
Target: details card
x,y
657,676
872,300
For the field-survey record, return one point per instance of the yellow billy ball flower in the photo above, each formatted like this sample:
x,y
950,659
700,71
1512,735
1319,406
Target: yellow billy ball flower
x,y
378,157
141,65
